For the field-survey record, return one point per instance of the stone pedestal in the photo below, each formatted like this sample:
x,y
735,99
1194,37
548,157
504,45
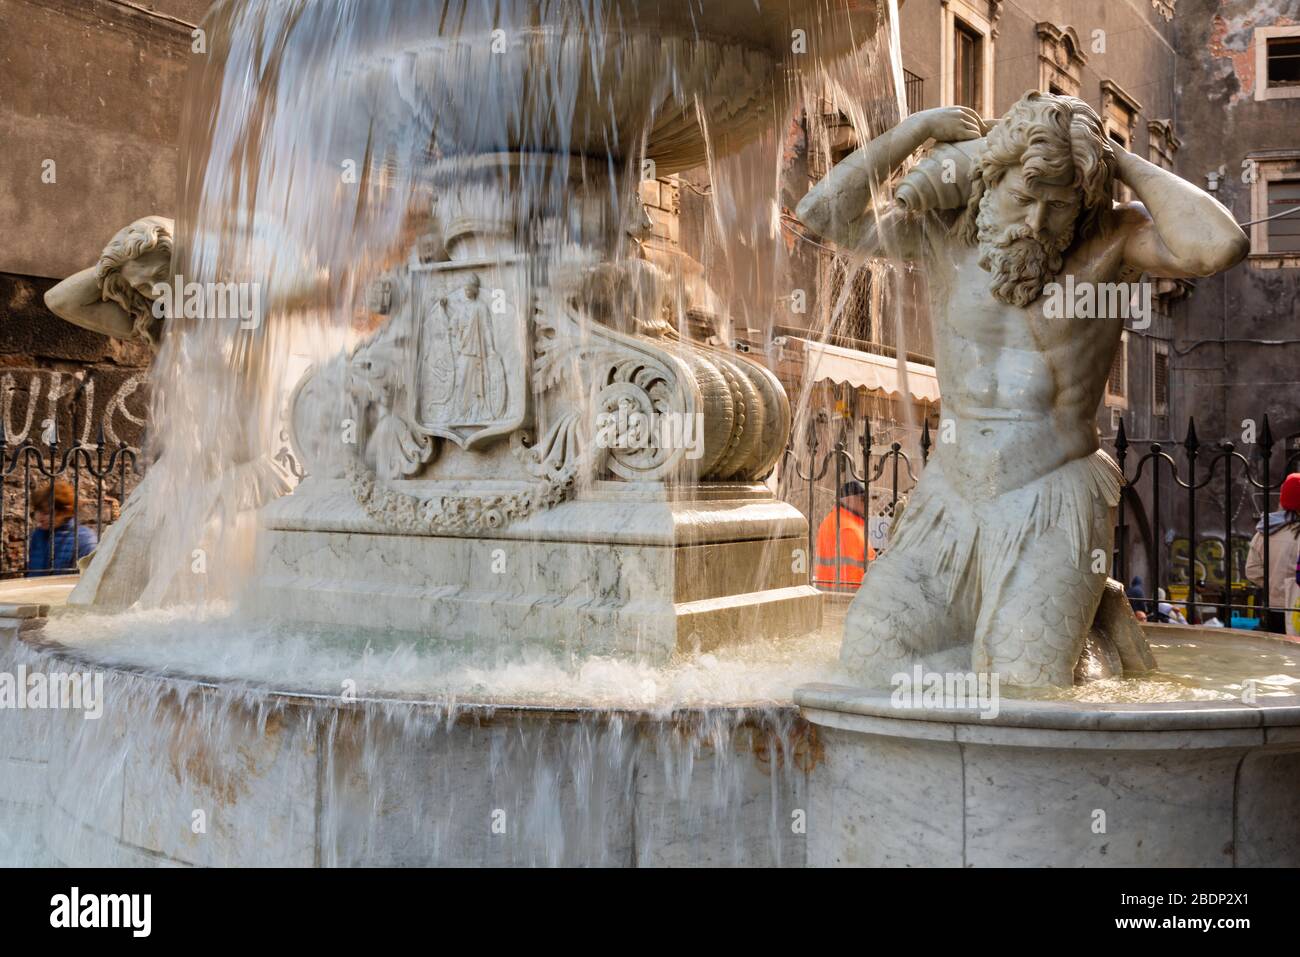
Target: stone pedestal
x,y
527,450
627,569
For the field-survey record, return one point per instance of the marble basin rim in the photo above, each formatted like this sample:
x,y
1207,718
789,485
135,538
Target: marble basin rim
x,y
1276,710
1071,715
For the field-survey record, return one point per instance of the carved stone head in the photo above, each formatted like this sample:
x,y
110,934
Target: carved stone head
x,y
1042,182
134,261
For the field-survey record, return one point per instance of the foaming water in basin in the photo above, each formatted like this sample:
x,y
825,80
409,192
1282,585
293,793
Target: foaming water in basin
x,y
214,643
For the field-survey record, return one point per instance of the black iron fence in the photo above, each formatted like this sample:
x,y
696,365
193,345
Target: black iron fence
x,y
98,479
885,477
1164,506
1216,576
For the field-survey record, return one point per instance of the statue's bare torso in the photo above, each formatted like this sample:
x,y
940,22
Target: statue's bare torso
x,y
1020,389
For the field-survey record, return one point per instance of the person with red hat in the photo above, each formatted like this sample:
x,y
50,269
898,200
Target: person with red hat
x,y
1283,530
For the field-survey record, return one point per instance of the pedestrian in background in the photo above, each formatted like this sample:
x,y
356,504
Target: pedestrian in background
x,y
1283,530
56,531
851,553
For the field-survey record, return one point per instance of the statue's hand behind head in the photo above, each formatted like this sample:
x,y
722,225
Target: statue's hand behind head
x,y
950,124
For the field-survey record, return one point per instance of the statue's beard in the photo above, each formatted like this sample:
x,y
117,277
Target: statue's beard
x,y
1021,265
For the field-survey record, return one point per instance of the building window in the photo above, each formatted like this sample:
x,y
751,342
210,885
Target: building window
x,y
1283,62
1277,62
1119,115
914,87
851,298
1284,232
967,54
1160,378
1117,382
967,78
1060,59
1275,208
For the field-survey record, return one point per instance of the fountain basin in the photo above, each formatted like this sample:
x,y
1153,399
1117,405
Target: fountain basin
x,y
835,777
1058,783
188,771
615,79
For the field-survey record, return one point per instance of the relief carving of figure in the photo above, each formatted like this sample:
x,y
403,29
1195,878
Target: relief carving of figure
x,y
463,375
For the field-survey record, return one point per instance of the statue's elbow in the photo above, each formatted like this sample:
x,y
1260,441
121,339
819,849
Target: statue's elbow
x,y
808,212
1231,250
56,300
1240,248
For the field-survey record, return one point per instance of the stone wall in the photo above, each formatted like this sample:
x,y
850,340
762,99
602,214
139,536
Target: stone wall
x,y
1238,352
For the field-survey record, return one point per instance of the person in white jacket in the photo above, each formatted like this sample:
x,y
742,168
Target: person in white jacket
x,y
1283,530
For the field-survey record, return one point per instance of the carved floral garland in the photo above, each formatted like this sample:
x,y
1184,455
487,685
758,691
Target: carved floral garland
x,y
451,513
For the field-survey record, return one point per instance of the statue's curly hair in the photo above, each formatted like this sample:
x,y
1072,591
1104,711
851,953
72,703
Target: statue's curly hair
x,y
131,242
1049,135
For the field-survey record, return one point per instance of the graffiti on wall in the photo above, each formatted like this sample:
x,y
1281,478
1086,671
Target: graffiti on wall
x,y
37,405
1212,565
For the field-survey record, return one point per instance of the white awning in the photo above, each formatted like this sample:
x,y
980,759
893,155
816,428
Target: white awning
x,y
866,370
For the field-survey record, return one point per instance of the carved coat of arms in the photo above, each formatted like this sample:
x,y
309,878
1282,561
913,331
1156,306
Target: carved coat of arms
x,y
471,372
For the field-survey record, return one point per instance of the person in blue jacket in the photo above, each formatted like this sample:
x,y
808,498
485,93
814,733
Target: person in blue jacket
x,y
69,543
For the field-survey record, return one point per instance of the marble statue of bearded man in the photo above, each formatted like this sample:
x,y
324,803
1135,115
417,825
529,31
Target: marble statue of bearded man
x,y
999,563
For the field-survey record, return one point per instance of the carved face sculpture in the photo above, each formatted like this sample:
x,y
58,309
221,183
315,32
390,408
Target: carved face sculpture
x,y
1024,227
145,272
1043,181
136,259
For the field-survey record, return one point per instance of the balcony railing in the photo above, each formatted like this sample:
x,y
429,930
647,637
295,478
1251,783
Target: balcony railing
x,y
914,87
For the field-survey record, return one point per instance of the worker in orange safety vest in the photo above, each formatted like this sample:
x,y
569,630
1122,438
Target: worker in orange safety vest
x,y
847,522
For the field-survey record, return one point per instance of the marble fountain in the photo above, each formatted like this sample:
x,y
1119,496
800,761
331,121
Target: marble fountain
x,y
483,630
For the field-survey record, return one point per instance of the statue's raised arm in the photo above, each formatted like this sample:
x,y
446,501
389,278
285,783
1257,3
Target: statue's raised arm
x,y
849,206
1176,231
